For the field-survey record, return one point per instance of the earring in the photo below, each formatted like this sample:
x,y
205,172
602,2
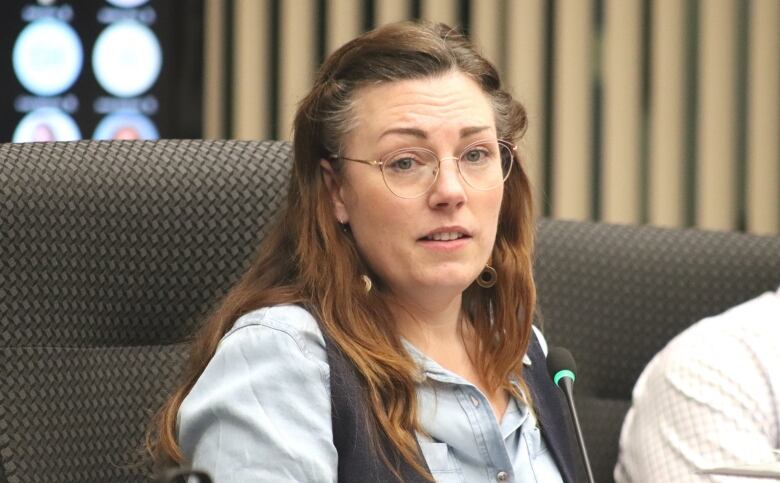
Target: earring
x,y
368,282
488,277
342,225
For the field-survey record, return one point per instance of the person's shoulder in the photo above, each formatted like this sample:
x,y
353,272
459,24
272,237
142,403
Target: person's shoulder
x,y
732,341
750,322
286,318
270,326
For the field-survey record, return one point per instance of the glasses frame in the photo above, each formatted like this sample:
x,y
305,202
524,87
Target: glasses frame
x,y
380,163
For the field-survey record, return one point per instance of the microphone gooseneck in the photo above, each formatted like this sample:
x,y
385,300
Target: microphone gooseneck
x,y
183,475
562,369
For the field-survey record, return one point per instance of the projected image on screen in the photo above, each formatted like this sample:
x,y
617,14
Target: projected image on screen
x,y
46,124
127,58
106,69
126,125
47,57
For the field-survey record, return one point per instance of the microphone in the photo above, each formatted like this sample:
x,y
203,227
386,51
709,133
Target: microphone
x,y
183,475
562,369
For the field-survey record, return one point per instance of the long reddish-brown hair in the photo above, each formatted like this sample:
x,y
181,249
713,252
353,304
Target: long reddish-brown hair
x,y
307,259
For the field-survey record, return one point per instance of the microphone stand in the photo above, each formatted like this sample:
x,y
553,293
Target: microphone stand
x,y
567,385
182,475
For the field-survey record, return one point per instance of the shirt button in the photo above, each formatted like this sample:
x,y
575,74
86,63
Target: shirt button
x,y
502,476
475,401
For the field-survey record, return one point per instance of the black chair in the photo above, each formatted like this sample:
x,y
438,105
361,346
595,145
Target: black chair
x,y
615,295
112,252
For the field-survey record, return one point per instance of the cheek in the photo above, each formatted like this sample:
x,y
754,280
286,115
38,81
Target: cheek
x,y
492,207
380,228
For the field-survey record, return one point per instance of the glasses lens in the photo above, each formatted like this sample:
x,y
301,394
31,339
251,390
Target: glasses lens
x,y
409,172
486,164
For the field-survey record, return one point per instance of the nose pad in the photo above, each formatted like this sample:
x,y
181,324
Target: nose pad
x,y
444,182
455,160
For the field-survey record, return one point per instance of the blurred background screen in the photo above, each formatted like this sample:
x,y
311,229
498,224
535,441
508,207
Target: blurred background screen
x,y
101,69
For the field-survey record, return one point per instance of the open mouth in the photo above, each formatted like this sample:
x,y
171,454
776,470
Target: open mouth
x,y
445,236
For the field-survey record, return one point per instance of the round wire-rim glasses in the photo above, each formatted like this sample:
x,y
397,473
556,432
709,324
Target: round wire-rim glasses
x,y
506,155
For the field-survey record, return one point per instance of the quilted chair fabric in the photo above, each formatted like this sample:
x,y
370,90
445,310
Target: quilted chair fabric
x,y
110,254
615,295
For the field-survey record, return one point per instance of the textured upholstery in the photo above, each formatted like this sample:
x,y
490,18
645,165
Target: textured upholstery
x,y
111,252
614,295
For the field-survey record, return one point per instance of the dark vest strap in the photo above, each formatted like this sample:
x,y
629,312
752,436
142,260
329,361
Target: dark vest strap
x,y
355,432
354,426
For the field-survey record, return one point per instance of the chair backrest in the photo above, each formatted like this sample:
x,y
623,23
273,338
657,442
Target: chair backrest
x,y
110,254
615,295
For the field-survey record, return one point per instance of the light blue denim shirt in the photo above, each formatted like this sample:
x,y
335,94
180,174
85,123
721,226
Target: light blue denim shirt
x,y
260,412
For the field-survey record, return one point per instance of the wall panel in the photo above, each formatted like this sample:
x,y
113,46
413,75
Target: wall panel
x,y
716,135
622,119
572,110
667,140
670,118
763,133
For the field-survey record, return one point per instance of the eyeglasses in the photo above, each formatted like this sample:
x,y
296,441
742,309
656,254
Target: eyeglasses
x,y
411,172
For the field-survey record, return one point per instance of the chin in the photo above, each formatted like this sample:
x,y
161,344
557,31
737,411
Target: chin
x,y
455,281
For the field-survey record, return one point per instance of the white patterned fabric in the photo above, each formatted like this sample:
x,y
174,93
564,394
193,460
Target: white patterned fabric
x,y
710,398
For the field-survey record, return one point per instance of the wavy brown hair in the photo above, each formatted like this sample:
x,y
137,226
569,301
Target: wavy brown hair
x,y
307,259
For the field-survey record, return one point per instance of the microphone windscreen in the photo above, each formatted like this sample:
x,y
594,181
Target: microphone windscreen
x,y
560,359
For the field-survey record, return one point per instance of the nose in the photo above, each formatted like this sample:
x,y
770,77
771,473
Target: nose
x,y
449,189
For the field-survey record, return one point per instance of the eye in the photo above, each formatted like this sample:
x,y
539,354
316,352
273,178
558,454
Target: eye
x,y
476,155
405,162
402,164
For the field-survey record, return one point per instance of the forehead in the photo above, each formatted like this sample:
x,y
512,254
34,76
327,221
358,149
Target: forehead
x,y
435,105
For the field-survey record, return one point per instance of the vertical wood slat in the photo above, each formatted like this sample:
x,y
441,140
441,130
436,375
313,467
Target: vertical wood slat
x,y
251,73
667,113
344,22
214,70
716,133
763,136
386,11
297,59
440,11
524,76
486,16
621,150
572,132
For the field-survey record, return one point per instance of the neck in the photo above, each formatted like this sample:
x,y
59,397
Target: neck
x,y
429,325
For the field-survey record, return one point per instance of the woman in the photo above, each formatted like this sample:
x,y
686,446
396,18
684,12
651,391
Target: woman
x,y
384,332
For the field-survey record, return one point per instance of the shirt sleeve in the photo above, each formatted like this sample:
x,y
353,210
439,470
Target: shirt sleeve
x,y
261,409
709,399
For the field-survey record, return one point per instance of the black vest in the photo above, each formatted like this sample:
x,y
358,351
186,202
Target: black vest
x,y
353,423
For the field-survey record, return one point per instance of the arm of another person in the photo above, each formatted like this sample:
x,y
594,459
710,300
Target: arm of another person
x,y
261,410
709,399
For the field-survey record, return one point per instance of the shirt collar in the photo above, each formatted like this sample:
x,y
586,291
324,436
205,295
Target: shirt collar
x,y
430,367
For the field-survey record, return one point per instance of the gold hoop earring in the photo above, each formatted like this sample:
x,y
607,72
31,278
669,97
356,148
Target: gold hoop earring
x,y
368,282
487,277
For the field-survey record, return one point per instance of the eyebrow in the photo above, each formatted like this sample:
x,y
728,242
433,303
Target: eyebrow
x,y
419,133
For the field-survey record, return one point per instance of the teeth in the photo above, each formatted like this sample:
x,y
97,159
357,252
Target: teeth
x,y
445,236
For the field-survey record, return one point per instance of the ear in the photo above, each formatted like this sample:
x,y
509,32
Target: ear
x,y
334,185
